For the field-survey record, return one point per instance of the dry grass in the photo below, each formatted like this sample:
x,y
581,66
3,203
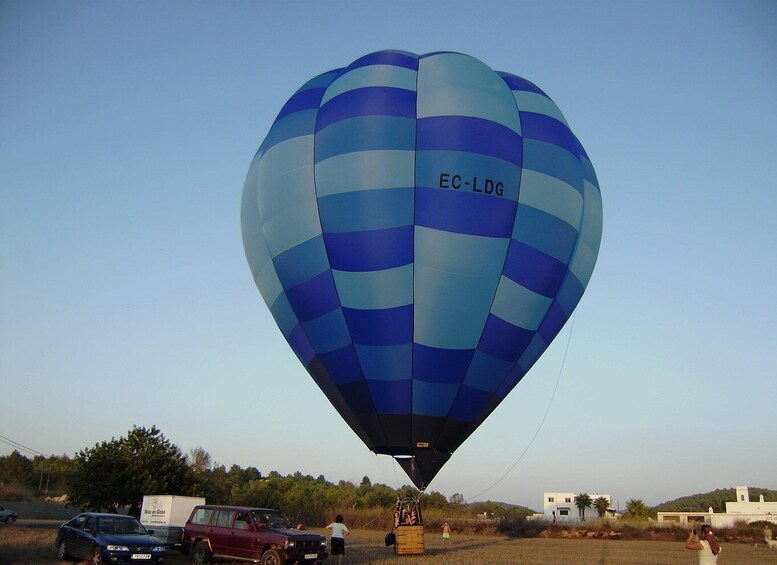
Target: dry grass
x,y
21,545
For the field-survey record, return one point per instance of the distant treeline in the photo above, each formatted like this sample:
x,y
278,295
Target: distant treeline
x,y
715,499
116,474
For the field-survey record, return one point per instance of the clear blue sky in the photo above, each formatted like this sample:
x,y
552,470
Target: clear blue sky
x,y
126,131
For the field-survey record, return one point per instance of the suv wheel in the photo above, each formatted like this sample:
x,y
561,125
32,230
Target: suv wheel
x,y
201,553
271,557
10,520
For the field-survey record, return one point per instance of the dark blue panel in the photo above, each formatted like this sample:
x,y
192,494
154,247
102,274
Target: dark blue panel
x,y
314,298
503,340
545,128
472,135
533,269
342,365
367,101
302,100
553,322
391,397
370,250
300,344
390,326
357,396
464,212
469,403
435,365
512,379
397,59
517,83
546,232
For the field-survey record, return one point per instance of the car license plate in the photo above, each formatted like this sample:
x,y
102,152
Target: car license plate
x,y
141,556
311,556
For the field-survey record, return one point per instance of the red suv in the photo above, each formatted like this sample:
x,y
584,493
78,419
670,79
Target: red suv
x,y
260,535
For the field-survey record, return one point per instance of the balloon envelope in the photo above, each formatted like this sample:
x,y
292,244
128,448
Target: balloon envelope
x,y
421,228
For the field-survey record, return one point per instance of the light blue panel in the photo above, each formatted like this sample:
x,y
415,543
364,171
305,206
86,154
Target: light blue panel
x,y
537,103
284,315
328,332
591,231
431,164
285,175
372,75
450,309
584,259
486,373
452,84
386,362
551,195
433,399
292,226
371,290
554,161
461,254
367,210
520,306
292,125
366,133
365,170
268,283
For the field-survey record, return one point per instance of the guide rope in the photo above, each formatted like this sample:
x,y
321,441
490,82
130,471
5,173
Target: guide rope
x,y
547,410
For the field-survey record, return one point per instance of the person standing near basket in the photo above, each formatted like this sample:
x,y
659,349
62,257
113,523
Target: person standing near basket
x,y
339,531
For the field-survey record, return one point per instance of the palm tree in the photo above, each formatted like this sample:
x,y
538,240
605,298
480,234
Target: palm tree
x,y
583,501
601,504
636,508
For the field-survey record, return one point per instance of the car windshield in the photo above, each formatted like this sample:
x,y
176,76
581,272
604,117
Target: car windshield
x,y
120,525
271,518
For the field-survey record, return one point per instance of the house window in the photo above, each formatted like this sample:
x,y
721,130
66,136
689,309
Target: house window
x,y
563,512
550,499
741,497
567,499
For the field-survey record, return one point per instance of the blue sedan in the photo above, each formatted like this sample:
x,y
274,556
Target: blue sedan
x,y
108,538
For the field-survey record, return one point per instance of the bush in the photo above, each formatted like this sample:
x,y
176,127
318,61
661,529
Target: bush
x,y
521,527
15,493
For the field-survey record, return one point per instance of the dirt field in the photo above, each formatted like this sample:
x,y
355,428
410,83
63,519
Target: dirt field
x,y
21,545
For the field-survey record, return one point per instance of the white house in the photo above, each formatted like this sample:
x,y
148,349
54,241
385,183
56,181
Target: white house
x,y
560,506
741,510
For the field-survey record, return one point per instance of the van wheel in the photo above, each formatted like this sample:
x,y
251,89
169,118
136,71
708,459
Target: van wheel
x,y
201,553
271,557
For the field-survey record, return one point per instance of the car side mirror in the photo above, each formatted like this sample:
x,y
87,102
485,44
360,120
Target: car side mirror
x,y
150,532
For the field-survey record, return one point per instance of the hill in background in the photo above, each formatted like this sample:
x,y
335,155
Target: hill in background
x,y
716,499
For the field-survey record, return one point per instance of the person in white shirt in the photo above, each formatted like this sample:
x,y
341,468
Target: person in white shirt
x,y
705,544
339,531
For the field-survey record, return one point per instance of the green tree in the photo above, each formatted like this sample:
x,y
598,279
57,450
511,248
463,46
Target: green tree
x,y
601,504
583,501
18,470
635,508
119,472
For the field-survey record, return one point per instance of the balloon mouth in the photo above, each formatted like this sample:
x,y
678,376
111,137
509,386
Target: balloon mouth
x,y
422,465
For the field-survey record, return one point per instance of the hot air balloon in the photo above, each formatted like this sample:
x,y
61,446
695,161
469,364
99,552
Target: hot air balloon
x,y
421,227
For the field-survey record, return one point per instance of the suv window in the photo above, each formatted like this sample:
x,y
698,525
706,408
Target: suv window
x,y
202,516
224,518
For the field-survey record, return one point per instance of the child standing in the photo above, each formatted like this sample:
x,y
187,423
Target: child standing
x,y
446,532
